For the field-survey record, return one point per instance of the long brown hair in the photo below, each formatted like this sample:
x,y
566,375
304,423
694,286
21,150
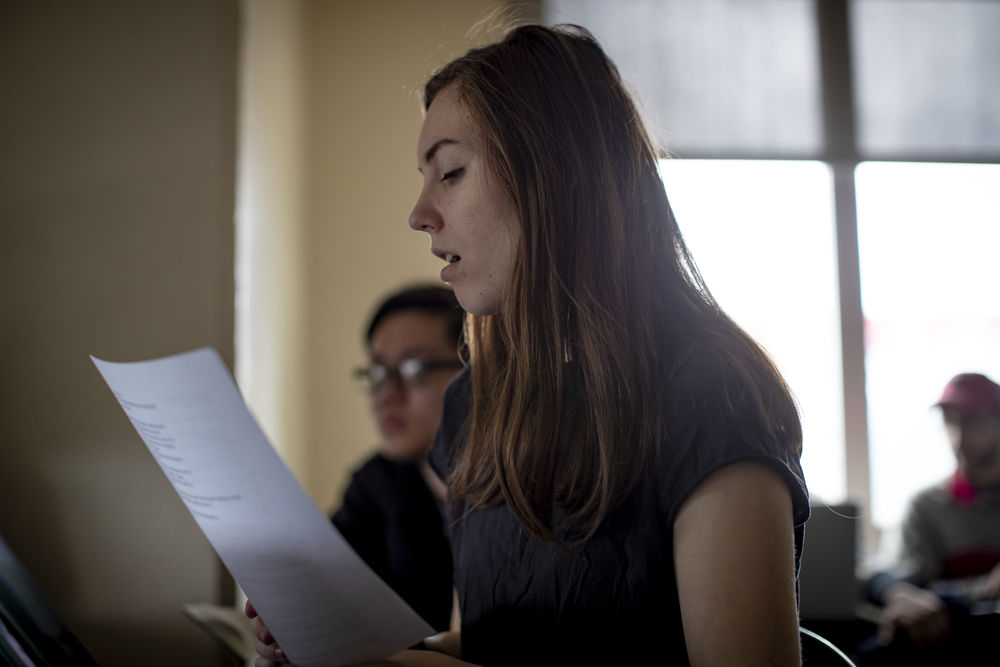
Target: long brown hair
x,y
602,277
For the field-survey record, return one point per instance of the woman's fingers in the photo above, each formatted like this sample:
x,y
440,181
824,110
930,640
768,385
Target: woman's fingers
x,y
267,648
261,631
270,651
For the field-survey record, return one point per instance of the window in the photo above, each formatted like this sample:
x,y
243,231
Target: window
x,y
826,86
710,74
929,237
762,236
928,78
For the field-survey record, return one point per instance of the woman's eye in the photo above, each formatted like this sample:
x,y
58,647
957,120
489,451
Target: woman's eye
x,y
453,174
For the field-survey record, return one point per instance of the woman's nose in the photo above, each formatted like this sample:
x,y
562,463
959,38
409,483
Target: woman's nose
x,y
423,217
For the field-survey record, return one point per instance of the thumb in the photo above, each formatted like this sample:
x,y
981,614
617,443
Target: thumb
x,y
886,631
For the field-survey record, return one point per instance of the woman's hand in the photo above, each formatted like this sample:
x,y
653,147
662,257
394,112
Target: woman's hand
x,y
268,652
445,642
442,650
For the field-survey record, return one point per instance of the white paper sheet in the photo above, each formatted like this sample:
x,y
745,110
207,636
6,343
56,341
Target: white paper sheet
x,y
319,599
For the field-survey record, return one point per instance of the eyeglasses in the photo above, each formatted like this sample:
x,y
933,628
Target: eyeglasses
x,y
408,374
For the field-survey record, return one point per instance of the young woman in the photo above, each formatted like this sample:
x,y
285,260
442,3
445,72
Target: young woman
x,y
622,459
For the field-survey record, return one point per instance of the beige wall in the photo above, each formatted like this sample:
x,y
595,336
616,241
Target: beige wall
x,y
362,68
117,142
118,170
271,243
364,117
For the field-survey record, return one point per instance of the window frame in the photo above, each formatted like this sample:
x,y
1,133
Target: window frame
x,y
840,150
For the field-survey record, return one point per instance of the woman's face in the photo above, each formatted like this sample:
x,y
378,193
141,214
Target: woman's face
x,y
471,221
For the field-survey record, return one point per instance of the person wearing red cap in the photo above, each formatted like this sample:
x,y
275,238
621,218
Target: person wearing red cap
x,y
945,586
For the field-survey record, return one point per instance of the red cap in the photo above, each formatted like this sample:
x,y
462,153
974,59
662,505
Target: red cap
x,y
972,394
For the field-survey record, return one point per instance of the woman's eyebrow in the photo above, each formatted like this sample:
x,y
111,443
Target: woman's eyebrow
x,y
429,155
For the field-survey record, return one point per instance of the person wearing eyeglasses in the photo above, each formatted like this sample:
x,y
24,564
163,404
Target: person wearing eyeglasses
x,y
391,512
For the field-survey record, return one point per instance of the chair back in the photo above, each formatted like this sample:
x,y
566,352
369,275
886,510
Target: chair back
x,y
32,633
817,651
